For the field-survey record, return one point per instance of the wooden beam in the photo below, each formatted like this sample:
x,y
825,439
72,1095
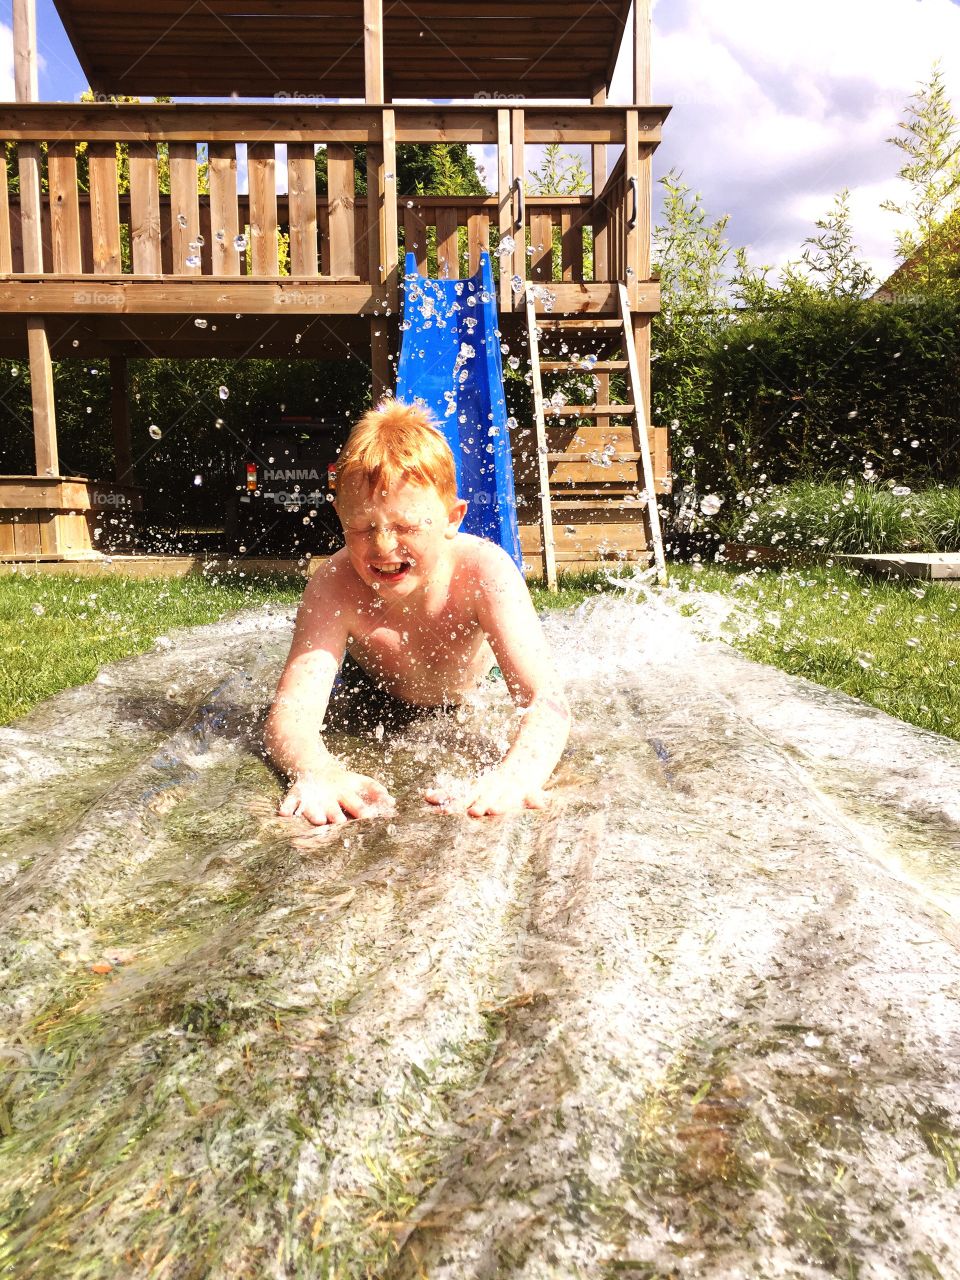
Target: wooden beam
x,y
302,198
373,50
262,183
104,208
504,206
6,244
184,209
41,388
224,219
144,210
518,156
389,230
340,188
25,50
172,295
345,123
120,422
641,50
64,207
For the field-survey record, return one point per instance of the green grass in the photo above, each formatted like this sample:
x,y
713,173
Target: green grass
x,y
56,631
851,518
892,643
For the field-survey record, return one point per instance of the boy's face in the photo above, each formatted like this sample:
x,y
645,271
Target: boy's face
x,y
396,539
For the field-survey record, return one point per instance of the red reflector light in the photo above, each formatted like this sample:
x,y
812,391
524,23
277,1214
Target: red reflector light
x,y
251,475
331,475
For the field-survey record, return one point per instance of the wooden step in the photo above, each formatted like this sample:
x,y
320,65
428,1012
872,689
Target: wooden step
x,y
593,455
581,366
597,504
589,410
574,323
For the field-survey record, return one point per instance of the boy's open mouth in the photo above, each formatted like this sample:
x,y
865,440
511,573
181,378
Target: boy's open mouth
x,y
391,572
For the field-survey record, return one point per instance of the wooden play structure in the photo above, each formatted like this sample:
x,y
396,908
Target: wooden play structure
x,y
183,261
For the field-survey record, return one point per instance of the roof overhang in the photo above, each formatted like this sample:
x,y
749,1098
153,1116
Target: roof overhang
x,y
434,49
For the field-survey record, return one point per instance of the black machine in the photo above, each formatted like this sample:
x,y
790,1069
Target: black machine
x,y
284,490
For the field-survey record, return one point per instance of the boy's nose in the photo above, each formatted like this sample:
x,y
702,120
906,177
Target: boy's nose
x,y
384,540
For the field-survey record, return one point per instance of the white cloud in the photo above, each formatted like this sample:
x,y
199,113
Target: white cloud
x,y
7,90
778,106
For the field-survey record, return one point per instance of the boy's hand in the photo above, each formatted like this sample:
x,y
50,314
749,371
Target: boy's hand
x,y
335,797
492,793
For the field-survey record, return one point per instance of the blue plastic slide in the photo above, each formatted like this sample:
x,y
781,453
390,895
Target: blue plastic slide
x,y
450,362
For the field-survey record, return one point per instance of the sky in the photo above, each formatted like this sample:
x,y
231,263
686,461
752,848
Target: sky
x,y
776,106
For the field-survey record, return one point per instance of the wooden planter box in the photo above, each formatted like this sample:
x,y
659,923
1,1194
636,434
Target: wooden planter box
x,y
57,517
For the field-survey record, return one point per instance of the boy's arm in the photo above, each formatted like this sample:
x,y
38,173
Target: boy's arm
x,y
507,616
321,790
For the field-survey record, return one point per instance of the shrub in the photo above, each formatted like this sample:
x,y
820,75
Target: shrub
x,y
851,518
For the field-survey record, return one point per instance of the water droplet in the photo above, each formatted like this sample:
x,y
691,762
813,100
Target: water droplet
x,y
200,323
688,451
900,490
39,610
223,392
507,245
154,431
516,284
193,261
181,219
198,479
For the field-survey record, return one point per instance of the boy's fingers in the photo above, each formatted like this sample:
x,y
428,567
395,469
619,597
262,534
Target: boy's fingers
x,y
352,803
288,805
537,800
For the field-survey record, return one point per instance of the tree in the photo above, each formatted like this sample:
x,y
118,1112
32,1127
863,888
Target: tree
x,y
931,142
689,253
561,173
422,169
831,257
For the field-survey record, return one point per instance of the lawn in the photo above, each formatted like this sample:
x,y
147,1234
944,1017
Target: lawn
x,y
893,644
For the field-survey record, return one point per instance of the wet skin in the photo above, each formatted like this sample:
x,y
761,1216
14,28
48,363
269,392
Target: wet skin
x,y
426,610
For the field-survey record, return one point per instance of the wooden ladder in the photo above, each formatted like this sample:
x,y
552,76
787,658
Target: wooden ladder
x,y
619,333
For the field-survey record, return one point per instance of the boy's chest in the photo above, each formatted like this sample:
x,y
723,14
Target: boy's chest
x,y
410,642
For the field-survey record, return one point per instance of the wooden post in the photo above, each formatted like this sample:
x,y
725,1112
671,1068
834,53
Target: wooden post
x,y
505,204
390,246
41,389
518,265
25,50
642,94
601,234
120,419
373,50
379,193
46,457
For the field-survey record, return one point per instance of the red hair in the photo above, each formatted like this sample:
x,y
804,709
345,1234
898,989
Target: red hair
x,y
394,443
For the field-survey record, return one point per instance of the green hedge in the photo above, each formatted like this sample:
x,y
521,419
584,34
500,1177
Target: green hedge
x,y
814,390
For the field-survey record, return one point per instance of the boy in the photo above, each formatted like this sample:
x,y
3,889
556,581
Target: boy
x,y
417,607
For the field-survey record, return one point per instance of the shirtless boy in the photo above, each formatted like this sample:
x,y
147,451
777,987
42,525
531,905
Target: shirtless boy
x,y
422,612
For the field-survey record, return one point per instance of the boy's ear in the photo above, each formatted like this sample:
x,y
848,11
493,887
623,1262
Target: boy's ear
x,y
456,513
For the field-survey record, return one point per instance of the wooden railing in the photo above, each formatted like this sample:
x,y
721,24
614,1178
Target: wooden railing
x,y
173,206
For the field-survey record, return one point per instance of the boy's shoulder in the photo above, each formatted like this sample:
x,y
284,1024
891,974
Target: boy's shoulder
x,y
332,576
482,556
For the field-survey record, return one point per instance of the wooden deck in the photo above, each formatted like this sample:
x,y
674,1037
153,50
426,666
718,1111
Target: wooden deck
x,y
134,229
